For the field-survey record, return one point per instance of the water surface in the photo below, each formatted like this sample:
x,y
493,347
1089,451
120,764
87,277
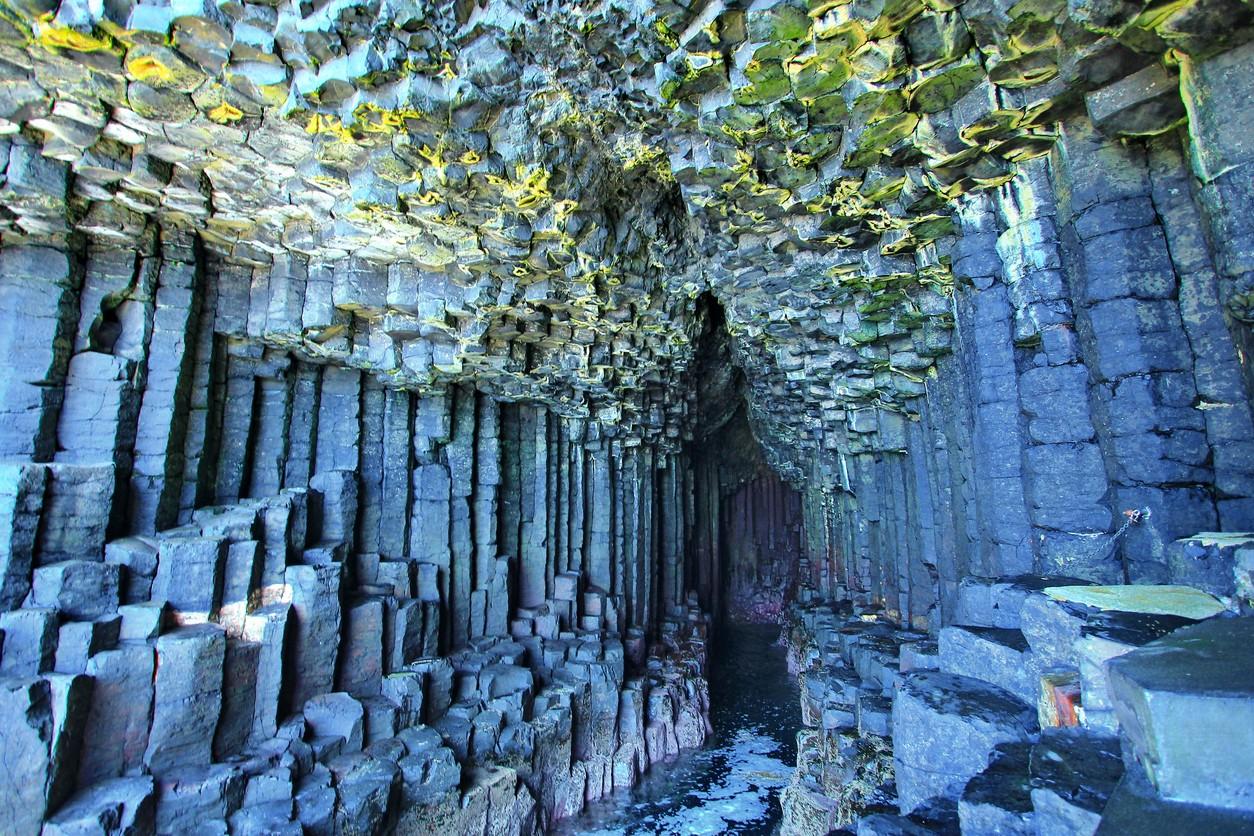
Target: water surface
x,y
732,784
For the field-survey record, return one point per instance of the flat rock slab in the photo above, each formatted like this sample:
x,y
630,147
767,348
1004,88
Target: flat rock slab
x,y
1073,772
1052,627
944,729
995,602
1183,601
1186,703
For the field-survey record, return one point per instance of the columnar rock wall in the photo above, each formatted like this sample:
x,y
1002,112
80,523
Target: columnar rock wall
x,y
245,587
372,334
1095,373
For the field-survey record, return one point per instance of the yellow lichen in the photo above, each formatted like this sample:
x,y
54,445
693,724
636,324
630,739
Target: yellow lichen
x,y
62,37
149,70
326,125
665,34
225,113
371,118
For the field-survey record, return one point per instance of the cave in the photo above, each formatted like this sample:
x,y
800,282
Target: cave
x,y
791,417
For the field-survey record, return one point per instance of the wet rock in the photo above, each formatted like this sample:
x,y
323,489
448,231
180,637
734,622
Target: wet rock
x,y
999,799
944,730
1073,774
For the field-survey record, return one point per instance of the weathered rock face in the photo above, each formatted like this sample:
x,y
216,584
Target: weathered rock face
x,y
1009,241
390,388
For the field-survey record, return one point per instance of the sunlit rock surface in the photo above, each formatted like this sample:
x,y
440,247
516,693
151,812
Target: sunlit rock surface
x,y
397,395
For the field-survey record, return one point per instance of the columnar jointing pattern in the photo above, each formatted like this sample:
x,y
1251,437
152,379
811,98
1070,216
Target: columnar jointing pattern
x,y
244,587
384,381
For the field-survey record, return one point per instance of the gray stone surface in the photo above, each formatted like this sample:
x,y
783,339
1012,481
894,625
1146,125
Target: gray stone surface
x,y
997,655
30,641
187,698
190,573
26,706
119,805
115,736
1183,701
336,715
78,589
21,500
944,730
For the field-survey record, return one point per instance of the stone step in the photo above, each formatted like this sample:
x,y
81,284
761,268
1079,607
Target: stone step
x,y
1186,704
999,799
996,602
1055,621
1134,807
1073,772
994,654
945,728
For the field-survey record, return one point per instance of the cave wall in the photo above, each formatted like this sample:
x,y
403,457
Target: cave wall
x,y
1097,368
223,559
383,334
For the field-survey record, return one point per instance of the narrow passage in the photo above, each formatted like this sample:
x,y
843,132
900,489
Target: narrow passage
x,y
732,784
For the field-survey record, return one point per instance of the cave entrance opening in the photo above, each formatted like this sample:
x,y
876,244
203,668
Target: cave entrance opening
x,y
746,549
748,538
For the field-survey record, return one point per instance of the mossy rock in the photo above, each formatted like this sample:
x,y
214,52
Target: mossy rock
x,y
780,22
939,91
827,110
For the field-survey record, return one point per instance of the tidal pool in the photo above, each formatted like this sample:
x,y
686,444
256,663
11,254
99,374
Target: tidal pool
x,y
732,784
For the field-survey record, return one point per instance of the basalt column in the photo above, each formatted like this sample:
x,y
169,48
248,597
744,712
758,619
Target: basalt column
x,y
244,584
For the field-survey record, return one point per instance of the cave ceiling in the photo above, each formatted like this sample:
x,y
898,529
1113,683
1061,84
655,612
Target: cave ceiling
x,y
532,196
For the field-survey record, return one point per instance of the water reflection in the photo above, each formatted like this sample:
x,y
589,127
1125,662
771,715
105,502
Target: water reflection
x,y
732,785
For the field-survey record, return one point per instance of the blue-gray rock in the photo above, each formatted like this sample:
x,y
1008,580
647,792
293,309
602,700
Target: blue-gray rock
x,y
1181,701
945,728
